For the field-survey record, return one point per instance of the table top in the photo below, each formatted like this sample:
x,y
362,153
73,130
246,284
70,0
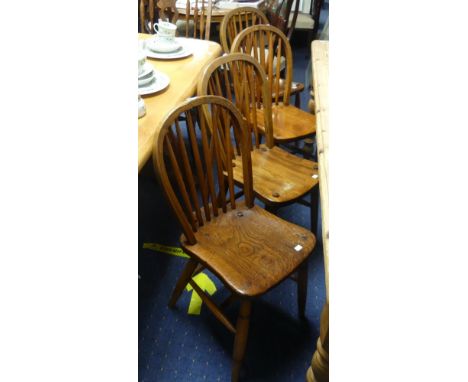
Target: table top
x,y
320,75
184,74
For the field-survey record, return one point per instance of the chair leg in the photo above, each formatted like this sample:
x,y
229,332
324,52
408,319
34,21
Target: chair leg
x,y
240,341
308,150
302,288
182,282
314,203
310,36
297,102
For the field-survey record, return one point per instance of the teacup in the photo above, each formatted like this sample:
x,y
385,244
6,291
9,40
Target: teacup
x,y
165,28
165,39
141,61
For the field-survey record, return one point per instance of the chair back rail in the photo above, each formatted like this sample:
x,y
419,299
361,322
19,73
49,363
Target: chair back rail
x,y
237,20
168,10
150,11
279,13
253,41
240,78
146,16
200,13
190,160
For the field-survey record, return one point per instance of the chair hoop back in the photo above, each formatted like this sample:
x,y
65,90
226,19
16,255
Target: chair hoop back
x,y
237,20
195,167
200,13
271,48
240,78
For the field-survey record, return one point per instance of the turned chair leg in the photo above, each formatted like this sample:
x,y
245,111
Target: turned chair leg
x,y
302,288
240,341
182,282
314,204
297,102
308,151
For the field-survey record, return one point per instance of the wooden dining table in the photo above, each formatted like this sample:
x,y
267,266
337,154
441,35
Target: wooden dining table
x,y
183,74
218,11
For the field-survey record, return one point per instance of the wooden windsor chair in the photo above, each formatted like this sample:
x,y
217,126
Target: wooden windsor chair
x,y
146,16
289,122
167,10
237,20
309,21
280,178
281,14
196,22
152,10
249,249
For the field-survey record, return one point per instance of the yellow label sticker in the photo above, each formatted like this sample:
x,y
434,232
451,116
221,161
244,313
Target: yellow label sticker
x,y
206,285
202,279
176,251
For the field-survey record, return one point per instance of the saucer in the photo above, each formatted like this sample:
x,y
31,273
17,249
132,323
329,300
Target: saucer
x,y
161,82
185,51
158,47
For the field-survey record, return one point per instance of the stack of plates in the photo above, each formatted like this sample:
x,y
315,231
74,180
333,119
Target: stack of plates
x,y
151,81
167,51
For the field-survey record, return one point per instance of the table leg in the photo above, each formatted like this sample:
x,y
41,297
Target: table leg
x,y
318,370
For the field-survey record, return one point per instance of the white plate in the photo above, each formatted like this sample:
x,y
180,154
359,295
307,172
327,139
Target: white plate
x,y
184,52
154,46
147,69
161,82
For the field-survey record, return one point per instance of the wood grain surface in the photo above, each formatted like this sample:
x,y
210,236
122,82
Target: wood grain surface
x,y
237,20
251,250
248,248
200,13
319,369
253,40
191,171
183,74
320,68
289,122
241,18
278,176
